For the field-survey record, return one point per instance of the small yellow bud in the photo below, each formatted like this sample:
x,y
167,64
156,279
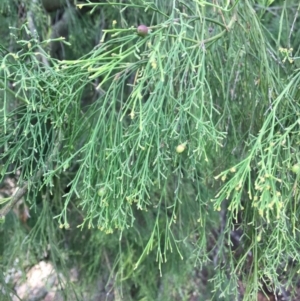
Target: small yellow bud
x,y
296,168
180,148
101,191
232,169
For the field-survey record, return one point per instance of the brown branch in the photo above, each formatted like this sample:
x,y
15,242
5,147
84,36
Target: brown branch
x,y
14,200
21,191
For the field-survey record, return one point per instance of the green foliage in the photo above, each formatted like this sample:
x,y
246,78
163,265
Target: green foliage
x,y
148,154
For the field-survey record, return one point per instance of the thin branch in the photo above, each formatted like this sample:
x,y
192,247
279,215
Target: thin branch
x,y
14,94
293,25
14,200
33,30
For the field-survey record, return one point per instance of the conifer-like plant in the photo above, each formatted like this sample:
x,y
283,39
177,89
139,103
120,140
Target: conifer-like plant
x,y
152,147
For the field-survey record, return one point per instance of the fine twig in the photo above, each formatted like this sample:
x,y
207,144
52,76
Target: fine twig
x,y
293,26
21,191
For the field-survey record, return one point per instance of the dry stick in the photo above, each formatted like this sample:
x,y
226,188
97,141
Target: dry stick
x,y
15,198
114,289
293,25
